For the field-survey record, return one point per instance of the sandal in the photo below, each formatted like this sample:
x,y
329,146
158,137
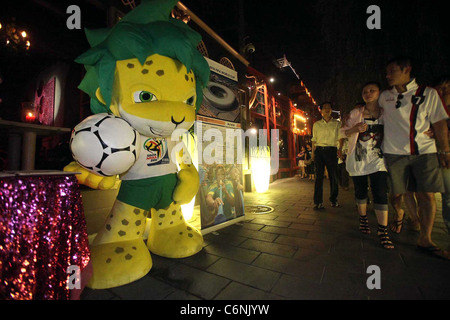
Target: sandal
x,y
436,252
397,225
384,237
364,224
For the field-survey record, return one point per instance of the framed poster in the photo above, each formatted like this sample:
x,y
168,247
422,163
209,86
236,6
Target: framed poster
x,y
221,193
220,199
220,98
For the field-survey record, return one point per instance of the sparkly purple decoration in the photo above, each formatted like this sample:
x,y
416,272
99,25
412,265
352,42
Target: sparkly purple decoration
x,y
42,233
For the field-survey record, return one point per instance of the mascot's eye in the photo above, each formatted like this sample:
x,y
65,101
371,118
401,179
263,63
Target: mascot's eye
x,y
190,101
144,96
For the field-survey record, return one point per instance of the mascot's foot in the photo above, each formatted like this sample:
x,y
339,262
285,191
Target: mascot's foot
x,y
170,236
119,263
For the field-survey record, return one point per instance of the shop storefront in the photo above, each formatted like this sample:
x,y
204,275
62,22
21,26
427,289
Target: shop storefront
x,y
270,110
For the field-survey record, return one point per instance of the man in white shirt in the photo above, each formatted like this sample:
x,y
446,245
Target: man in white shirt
x,y
411,156
324,144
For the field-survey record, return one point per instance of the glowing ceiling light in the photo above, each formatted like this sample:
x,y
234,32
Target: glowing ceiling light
x,y
300,117
272,79
24,34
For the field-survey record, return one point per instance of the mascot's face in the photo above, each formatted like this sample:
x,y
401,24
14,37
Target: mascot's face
x,y
155,98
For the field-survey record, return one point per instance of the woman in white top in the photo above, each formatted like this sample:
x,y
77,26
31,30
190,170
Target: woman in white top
x,y
364,129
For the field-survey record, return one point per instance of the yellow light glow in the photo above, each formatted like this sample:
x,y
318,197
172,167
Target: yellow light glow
x,y
24,34
0,25
260,162
300,117
188,209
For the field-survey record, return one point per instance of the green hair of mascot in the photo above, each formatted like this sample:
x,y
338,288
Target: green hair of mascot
x,y
147,29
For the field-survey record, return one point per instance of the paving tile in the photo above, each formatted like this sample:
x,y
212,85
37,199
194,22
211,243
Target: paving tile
x,y
290,266
296,288
194,281
305,227
303,243
146,288
246,274
252,226
223,237
395,291
201,260
334,262
231,252
347,244
295,220
303,289
435,291
181,295
238,291
276,223
285,231
303,254
273,248
321,235
249,233
100,294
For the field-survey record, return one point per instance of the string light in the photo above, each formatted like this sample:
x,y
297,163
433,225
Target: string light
x,y
12,37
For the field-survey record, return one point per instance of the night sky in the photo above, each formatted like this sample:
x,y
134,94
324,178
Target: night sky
x,y
328,42
275,28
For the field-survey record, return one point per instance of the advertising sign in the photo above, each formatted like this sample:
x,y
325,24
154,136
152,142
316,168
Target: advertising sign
x,y
220,196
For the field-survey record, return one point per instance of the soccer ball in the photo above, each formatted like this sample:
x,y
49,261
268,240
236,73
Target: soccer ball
x,y
105,144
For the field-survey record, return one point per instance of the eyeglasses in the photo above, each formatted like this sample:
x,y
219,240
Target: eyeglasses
x,y
399,102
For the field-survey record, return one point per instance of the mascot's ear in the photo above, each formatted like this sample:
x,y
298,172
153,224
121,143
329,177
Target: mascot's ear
x,y
99,96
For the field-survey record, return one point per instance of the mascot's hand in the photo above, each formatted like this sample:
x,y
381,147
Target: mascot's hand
x,y
90,179
187,186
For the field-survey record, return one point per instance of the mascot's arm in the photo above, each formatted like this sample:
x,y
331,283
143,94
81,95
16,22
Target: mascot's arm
x,y
90,179
188,179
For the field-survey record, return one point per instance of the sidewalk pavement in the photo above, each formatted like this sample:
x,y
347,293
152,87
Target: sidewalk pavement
x,y
295,253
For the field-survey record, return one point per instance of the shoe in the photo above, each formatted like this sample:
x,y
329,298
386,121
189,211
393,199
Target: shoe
x,y
364,224
335,204
397,224
436,252
318,206
384,237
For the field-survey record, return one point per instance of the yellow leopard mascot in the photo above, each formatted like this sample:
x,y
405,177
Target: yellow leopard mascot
x,y
147,71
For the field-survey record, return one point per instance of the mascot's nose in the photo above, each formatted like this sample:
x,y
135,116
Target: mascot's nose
x,y
176,123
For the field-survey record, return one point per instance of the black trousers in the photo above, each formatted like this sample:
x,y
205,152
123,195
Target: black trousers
x,y
326,157
378,186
